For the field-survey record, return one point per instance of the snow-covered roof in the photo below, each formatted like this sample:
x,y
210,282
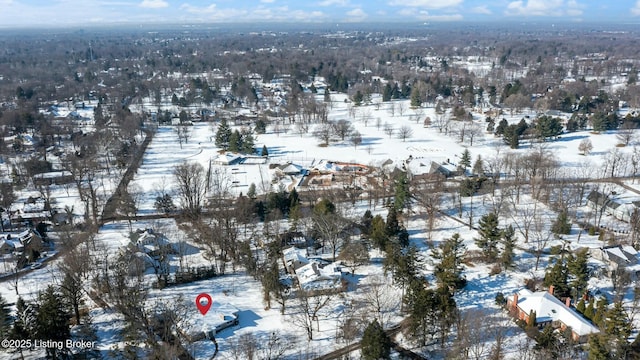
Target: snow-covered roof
x,y
314,276
548,308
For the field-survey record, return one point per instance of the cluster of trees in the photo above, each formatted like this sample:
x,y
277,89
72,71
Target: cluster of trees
x,y
241,141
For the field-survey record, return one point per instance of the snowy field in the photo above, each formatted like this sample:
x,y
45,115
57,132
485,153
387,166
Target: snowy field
x,y
243,292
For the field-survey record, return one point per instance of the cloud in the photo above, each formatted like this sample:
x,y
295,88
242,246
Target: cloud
x,y
213,13
154,4
356,15
267,1
636,9
424,15
334,3
483,9
427,4
544,8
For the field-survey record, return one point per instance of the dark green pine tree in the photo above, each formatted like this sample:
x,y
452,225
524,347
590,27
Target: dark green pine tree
x,y
358,98
5,319
251,193
502,126
581,306
327,95
590,311
598,349
403,264
378,235
562,225
508,246
547,343
264,151
235,142
488,236
387,92
558,276
24,325
579,271
223,135
52,320
465,159
248,142
416,97
448,269
600,314
392,227
401,190
375,343
617,323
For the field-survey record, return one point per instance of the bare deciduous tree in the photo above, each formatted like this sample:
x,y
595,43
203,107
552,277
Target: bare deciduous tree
x,y
405,132
191,186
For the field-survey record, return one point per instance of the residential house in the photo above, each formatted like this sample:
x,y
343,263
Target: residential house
x,y
617,257
293,259
550,310
219,317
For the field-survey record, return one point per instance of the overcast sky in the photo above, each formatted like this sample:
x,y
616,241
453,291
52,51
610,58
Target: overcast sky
x,y
53,13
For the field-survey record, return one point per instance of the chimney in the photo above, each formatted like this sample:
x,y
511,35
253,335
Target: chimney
x,y
567,302
551,288
514,304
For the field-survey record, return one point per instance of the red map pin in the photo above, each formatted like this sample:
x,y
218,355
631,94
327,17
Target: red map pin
x,y
203,303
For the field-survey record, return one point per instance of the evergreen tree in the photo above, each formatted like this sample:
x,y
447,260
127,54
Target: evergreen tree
x,y
378,236
617,323
465,159
358,98
223,135
558,276
579,271
562,225
24,325
235,142
489,236
590,311
478,166
403,264
598,349
375,342
264,151
416,98
327,95
392,227
402,193
532,319
548,127
581,306
251,193
386,93
260,127
5,319
450,256
547,343
164,204
248,142
509,245
502,126
366,223
52,320
600,313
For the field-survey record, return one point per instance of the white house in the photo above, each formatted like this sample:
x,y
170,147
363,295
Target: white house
x,y
549,310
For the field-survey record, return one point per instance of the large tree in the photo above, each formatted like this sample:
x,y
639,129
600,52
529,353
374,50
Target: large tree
x,y
376,344
191,186
489,236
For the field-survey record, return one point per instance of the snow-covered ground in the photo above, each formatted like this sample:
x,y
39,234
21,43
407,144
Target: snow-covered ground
x,y
244,293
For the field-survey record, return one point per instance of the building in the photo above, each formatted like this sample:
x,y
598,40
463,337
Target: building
x,y
549,310
617,257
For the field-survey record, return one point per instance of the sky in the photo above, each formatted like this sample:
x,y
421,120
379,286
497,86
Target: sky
x,y
87,13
